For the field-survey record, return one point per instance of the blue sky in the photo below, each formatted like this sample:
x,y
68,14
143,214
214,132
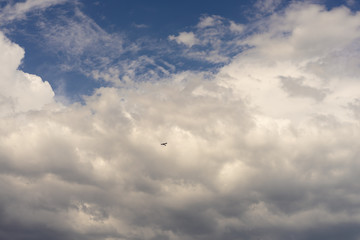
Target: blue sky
x,y
257,100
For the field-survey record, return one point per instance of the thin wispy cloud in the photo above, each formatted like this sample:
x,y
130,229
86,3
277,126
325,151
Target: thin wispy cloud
x,y
18,11
82,41
265,7
213,40
140,25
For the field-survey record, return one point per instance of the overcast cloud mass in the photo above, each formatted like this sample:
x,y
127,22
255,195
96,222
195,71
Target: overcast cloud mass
x,y
263,144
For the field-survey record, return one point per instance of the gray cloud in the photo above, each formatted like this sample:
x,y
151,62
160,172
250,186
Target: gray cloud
x,y
296,88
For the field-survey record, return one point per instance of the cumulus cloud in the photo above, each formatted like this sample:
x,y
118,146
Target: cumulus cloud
x,y
250,154
19,91
296,48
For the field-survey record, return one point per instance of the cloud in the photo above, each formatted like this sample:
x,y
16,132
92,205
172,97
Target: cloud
x,y
209,21
79,37
207,43
266,6
296,88
187,38
19,91
234,27
77,44
302,36
80,45
245,158
140,25
292,46
19,10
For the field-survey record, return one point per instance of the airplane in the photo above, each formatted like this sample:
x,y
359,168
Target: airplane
x,y
164,144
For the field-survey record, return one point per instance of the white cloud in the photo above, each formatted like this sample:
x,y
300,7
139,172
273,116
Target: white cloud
x,y
266,6
19,91
237,28
187,38
208,36
308,32
209,21
263,148
111,75
297,44
19,10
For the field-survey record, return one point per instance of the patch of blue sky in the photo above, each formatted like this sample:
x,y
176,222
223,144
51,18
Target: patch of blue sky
x,y
161,17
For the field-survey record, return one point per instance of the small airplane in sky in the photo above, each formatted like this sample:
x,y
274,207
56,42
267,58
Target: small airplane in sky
x,y
164,144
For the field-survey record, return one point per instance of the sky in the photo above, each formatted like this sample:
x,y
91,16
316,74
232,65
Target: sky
x,y
258,101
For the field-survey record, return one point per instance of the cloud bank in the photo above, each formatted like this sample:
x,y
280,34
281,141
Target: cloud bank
x,y
265,148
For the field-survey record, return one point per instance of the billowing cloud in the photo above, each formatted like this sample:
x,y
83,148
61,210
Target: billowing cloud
x,y
299,56
266,147
19,91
